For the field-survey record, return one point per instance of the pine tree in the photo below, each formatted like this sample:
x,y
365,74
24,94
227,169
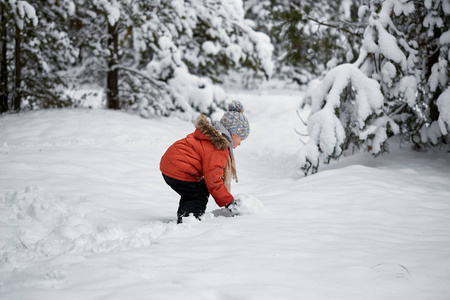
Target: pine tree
x,y
156,57
16,16
35,53
3,59
170,54
403,63
49,56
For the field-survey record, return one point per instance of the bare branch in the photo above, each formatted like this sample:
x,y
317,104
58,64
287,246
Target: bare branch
x,y
301,119
299,133
23,244
339,26
156,83
304,143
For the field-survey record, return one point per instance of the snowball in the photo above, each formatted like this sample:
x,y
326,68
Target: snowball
x,y
248,205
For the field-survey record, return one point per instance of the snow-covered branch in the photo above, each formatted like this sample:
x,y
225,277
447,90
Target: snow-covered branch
x,y
388,90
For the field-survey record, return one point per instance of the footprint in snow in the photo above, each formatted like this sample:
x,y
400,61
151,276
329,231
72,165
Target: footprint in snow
x,y
391,271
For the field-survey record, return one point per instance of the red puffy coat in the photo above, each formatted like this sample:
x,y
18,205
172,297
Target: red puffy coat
x,y
201,154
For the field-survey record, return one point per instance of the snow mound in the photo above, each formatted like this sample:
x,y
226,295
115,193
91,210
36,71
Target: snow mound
x,y
48,226
248,205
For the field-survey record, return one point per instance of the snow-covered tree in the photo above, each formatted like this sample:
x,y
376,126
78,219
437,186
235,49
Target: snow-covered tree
x,y
34,37
397,86
4,102
15,17
166,56
157,57
191,46
49,56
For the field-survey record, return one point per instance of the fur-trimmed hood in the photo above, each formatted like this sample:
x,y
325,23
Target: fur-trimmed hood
x,y
202,154
221,139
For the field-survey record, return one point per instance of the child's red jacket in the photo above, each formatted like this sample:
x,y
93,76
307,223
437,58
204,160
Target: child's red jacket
x,y
203,153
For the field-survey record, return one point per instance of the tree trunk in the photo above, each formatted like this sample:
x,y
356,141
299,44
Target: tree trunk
x,y
112,86
3,64
18,69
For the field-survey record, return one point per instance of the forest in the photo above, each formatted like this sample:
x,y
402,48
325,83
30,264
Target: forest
x,y
372,69
344,179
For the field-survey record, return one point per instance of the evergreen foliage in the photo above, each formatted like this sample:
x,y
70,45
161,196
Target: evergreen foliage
x,y
383,64
403,61
154,57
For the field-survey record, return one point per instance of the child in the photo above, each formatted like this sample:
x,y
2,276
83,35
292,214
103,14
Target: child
x,y
203,163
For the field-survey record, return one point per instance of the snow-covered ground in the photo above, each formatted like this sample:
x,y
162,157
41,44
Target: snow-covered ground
x,y
85,214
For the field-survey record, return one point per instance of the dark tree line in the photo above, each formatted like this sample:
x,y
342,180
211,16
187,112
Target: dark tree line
x,y
138,52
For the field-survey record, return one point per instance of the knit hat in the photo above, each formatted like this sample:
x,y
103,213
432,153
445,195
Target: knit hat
x,y
235,121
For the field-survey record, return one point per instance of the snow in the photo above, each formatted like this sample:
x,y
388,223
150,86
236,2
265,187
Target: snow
x,y
112,11
445,38
264,49
210,48
24,11
446,6
403,7
438,75
248,204
431,21
326,131
388,44
234,52
408,89
388,72
443,103
85,214
199,92
87,97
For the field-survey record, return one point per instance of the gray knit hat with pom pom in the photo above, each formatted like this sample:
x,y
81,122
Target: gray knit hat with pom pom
x,y
235,121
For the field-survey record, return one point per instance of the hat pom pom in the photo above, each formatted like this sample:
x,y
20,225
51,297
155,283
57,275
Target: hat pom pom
x,y
236,106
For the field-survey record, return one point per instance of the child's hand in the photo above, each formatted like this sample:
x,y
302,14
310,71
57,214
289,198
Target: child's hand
x,y
234,207
244,204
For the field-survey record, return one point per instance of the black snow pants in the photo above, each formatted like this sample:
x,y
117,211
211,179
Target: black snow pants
x,y
194,197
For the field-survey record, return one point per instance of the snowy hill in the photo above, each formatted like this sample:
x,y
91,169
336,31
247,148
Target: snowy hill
x,y
85,214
